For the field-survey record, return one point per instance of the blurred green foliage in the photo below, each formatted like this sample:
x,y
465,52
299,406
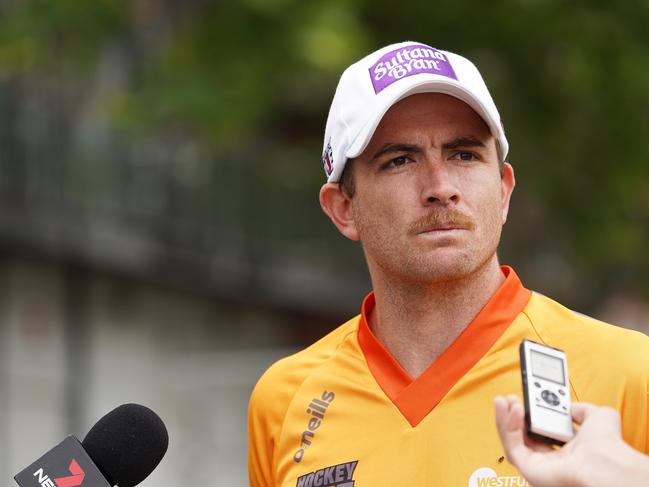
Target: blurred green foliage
x,y
238,92
44,37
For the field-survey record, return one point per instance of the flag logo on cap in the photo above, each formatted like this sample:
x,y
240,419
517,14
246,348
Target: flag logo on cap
x,y
328,160
408,61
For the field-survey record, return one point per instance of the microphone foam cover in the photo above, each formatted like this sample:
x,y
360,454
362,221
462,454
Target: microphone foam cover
x,y
127,444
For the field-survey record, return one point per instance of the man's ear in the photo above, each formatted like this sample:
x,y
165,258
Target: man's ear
x,y
508,181
338,207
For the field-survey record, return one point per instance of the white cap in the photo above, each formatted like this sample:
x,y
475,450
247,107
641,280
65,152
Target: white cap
x,y
368,88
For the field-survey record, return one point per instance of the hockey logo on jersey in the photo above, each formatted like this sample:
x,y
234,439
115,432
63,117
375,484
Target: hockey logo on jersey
x,y
340,475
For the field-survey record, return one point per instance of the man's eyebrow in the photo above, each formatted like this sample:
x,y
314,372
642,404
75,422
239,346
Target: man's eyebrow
x,y
463,141
391,147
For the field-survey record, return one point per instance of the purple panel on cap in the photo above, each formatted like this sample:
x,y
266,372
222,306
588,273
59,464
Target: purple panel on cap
x,y
407,61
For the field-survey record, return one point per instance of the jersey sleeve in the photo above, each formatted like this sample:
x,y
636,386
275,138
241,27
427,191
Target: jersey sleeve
x,y
262,438
646,417
620,379
270,402
635,406
267,408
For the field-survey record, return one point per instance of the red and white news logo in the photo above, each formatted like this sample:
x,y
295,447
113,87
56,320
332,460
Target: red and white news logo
x,y
73,480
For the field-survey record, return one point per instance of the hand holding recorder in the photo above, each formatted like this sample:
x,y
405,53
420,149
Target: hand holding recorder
x,y
596,456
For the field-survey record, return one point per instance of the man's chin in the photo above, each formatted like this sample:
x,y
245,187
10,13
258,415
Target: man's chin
x,y
443,269
447,265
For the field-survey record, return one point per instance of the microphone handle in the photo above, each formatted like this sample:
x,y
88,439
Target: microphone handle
x,y
65,465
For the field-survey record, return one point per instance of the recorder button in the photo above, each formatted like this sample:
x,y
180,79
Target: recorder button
x,y
550,397
562,392
537,384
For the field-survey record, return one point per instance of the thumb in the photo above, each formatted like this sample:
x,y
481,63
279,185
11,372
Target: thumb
x,y
581,410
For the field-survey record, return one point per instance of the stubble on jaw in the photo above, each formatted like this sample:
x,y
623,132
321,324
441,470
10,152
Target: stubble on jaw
x,y
408,264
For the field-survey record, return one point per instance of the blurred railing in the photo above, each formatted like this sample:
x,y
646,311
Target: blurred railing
x,y
168,210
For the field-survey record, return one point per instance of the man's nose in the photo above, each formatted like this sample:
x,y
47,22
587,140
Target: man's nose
x,y
438,184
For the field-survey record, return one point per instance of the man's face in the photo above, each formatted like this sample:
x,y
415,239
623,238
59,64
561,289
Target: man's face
x,y
430,199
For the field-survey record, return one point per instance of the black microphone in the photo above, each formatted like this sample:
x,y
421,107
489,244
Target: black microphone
x,y
122,449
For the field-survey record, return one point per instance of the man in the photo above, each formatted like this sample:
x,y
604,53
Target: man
x,y
415,157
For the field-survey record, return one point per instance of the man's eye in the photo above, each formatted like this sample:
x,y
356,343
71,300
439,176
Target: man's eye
x,y
464,156
398,161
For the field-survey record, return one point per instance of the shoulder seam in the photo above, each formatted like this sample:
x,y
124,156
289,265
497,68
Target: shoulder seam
x,y
538,334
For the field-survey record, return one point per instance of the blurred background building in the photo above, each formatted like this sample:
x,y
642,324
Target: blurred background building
x,y
161,240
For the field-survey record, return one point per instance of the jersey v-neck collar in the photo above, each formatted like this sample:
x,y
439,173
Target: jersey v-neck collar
x,y
415,398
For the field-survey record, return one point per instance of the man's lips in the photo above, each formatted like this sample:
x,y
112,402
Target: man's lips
x,y
442,228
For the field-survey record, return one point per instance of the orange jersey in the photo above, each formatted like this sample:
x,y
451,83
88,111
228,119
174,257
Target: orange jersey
x,y
344,413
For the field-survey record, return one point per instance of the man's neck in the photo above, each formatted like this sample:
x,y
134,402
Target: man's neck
x,y
417,323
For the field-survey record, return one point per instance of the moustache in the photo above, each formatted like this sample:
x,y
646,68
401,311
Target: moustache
x,y
439,218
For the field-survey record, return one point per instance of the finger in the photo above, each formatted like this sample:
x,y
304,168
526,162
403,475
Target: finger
x,y
603,418
581,410
516,422
512,399
508,416
517,415
501,408
509,422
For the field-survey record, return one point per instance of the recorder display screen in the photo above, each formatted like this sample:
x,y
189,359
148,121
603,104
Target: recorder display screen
x,y
547,367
